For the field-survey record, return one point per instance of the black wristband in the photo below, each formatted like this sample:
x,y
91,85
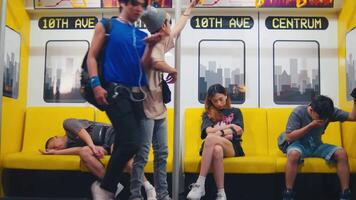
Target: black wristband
x,y
222,133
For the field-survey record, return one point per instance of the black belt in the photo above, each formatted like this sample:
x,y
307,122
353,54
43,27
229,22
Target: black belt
x,y
133,89
136,93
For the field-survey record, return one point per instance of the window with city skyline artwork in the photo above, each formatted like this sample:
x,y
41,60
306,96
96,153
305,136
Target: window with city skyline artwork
x,y
12,63
350,62
222,61
296,71
62,71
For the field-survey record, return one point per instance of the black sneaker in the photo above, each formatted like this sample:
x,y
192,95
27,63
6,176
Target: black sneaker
x,y
288,194
345,195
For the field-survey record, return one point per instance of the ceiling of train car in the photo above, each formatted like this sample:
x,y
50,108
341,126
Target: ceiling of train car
x,y
54,6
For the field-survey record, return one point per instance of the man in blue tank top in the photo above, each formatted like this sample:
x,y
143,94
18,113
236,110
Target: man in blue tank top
x,y
123,91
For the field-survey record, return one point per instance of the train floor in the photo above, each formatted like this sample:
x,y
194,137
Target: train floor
x,y
64,185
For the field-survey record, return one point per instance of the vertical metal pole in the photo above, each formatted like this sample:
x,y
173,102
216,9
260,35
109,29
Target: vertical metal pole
x,y
177,158
2,55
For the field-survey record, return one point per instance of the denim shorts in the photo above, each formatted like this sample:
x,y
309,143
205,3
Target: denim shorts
x,y
325,151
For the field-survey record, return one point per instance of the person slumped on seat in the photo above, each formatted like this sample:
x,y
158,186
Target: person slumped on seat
x,y
221,129
91,141
302,138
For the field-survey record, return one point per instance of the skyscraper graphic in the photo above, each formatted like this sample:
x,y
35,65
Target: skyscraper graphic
x,y
220,76
62,72
222,61
202,71
232,80
350,75
11,76
296,71
297,87
212,66
227,76
277,74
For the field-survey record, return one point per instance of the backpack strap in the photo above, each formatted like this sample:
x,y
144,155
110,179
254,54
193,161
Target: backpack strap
x,y
107,25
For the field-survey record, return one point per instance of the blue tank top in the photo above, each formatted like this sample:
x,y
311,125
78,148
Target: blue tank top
x,y
124,49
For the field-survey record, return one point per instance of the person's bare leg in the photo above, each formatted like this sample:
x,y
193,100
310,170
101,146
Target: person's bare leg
x,y
291,168
210,142
342,166
218,166
91,162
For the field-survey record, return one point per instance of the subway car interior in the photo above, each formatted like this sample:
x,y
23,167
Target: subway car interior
x,y
270,56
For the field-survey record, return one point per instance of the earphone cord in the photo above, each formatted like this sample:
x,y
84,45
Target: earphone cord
x,y
141,72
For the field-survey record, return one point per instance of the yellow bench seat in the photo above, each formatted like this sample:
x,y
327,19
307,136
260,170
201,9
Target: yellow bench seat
x,y
237,165
41,124
35,160
349,142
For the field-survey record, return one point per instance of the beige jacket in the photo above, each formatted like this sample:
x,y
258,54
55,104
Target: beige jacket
x,y
153,105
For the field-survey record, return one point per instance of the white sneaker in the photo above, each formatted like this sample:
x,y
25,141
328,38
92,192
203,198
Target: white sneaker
x,y
151,194
221,196
120,187
196,192
100,194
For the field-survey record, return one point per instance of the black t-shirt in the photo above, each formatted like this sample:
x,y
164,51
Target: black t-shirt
x,y
230,116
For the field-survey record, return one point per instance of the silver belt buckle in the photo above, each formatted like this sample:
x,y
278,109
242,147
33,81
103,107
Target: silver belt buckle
x,y
135,89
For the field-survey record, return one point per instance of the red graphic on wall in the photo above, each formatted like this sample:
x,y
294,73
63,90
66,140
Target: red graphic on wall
x,y
295,3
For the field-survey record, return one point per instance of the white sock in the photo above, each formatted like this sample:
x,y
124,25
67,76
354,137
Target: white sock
x,y
147,185
221,191
201,180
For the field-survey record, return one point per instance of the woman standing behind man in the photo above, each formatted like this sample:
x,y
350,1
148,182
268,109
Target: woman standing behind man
x,y
222,127
155,123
